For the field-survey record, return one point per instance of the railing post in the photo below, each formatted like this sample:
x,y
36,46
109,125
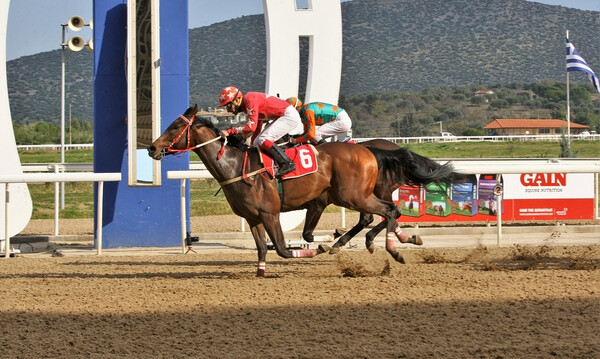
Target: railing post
x,y
6,236
183,217
56,203
100,209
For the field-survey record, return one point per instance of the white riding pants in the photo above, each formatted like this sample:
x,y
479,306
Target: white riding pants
x,y
280,127
340,125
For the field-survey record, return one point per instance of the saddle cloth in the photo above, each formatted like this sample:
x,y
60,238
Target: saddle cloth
x,y
304,157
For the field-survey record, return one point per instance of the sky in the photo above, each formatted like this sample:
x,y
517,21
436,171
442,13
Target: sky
x,y
34,26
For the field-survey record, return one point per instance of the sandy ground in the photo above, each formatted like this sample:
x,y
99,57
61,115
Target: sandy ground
x,y
511,302
462,303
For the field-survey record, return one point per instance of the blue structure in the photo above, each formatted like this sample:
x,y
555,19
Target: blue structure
x,y
137,216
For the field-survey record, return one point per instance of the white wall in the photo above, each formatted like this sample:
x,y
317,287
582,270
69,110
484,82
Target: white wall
x,y
20,206
322,23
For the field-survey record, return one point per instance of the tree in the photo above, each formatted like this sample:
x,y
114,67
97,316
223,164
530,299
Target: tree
x,y
565,146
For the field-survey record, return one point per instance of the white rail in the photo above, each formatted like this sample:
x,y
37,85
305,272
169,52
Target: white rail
x,y
498,167
488,138
56,178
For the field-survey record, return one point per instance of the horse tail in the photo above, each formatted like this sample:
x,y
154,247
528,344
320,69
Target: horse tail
x,y
403,166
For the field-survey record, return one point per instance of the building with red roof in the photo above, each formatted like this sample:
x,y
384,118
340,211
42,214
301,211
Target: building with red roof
x,y
516,127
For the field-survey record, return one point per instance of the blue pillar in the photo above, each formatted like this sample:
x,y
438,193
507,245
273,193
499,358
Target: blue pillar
x,y
137,216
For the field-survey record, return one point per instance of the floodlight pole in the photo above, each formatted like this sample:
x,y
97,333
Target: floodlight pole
x,y
62,115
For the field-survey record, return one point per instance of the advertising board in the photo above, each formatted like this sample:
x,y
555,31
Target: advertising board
x,y
526,197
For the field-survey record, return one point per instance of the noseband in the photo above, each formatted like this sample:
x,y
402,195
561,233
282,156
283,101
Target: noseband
x,y
188,129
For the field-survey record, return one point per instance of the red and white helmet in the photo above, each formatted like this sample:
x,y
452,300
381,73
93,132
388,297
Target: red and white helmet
x,y
229,94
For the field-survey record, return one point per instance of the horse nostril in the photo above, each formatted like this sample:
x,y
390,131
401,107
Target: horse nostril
x,y
151,149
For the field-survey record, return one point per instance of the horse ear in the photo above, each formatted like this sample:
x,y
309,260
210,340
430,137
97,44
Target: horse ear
x,y
191,112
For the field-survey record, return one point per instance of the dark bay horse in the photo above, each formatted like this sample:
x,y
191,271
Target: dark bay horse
x,y
346,172
416,170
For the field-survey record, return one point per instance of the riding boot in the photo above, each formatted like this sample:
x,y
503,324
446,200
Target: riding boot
x,y
283,161
321,141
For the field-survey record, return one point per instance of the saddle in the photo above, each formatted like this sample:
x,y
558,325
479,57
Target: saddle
x,y
304,157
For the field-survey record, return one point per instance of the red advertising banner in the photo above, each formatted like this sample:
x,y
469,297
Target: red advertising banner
x,y
526,197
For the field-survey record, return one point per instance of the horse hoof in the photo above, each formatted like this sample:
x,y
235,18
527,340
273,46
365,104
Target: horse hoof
x,y
323,249
340,231
260,273
398,257
371,248
416,240
334,250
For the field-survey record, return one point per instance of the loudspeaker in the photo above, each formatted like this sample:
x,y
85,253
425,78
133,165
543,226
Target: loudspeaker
x,y
90,44
92,24
76,43
76,23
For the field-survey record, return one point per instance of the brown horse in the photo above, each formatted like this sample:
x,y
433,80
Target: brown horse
x,y
346,172
413,165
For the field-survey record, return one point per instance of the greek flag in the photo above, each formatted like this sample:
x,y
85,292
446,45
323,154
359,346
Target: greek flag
x,y
576,63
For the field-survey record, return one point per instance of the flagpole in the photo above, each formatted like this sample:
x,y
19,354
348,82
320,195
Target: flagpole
x,y
568,107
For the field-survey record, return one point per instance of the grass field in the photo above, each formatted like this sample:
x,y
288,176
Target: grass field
x,y
79,202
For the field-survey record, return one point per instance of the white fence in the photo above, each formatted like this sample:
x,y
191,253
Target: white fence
x,y
57,178
498,166
478,166
522,138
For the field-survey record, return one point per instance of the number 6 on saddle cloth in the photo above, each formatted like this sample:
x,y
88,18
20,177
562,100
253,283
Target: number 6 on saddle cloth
x,y
304,157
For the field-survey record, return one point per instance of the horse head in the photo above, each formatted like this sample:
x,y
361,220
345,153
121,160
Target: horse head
x,y
183,135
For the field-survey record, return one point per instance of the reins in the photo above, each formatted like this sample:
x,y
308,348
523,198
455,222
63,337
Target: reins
x,y
187,129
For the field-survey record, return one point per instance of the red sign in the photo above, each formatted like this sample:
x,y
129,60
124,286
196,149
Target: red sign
x,y
525,197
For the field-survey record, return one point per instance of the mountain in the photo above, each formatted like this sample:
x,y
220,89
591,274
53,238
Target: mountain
x,y
389,45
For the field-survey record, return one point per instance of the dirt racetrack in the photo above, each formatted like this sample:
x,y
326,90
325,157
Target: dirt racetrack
x,y
519,302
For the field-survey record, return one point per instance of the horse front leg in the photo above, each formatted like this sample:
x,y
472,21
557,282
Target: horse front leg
x,y
365,220
273,228
258,232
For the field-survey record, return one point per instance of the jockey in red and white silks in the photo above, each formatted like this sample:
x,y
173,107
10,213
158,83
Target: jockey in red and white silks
x,y
260,107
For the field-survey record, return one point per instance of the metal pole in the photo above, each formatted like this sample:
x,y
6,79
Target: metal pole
x,y
6,236
70,134
99,217
56,203
568,109
499,212
182,211
62,113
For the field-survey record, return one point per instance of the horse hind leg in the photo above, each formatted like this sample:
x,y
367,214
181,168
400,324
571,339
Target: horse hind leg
x,y
365,220
404,238
390,246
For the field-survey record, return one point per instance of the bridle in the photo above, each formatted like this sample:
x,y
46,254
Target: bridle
x,y
169,149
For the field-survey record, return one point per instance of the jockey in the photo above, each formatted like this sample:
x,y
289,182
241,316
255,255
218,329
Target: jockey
x,y
332,120
260,107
